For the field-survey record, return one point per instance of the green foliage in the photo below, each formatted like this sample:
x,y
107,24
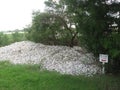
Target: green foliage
x,y
99,25
39,31
6,39
48,29
16,36
29,77
54,26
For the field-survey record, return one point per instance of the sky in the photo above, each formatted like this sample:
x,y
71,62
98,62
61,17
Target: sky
x,y
17,14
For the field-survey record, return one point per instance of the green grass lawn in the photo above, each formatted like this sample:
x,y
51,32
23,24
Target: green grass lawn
x,y
29,77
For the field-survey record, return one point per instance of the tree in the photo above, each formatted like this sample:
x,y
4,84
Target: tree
x,y
4,39
41,31
55,26
58,11
99,25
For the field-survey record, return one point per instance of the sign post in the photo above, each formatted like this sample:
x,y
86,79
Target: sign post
x,y
104,59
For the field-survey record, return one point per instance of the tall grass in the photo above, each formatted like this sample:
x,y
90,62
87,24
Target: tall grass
x,y
29,77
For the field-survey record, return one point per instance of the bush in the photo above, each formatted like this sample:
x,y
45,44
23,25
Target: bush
x,y
6,39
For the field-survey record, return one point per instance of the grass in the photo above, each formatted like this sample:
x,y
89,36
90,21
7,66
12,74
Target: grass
x,y
29,77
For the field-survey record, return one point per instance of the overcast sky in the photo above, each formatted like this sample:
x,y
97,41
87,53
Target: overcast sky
x,y
16,14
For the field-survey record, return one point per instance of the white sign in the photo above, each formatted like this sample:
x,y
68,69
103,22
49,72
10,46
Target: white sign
x,y
103,58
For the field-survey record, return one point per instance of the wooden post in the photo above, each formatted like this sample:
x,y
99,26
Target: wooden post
x,y
103,68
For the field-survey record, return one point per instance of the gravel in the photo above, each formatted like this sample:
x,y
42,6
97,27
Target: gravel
x,y
62,59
